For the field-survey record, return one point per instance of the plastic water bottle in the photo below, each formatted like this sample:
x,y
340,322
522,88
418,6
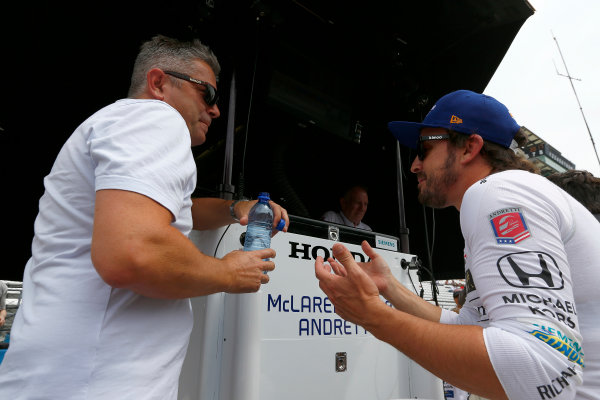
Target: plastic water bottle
x,y
260,224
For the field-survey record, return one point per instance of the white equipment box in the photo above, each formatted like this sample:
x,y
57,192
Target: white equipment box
x,y
286,342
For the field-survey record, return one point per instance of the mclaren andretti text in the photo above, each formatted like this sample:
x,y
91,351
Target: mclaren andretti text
x,y
322,324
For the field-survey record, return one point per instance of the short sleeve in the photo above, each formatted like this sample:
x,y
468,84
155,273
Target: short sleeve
x,y
146,150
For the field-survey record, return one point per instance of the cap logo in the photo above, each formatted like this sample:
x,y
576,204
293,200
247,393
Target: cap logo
x,y
455,120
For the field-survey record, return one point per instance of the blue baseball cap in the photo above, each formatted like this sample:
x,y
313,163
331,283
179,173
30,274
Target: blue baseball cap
x,y
466,112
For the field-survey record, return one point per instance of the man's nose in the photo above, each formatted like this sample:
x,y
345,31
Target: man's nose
x,y
214,111
416,166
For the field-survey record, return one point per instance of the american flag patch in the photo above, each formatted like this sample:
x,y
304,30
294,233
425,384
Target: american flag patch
x,y
509,226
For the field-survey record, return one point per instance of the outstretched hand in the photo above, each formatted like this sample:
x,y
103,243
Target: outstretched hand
x,y
353,293
377,269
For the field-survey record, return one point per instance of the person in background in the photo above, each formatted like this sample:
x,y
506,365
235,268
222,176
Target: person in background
x,y
530,327
106,311
459,295
450,391
3,293
353,206
582,185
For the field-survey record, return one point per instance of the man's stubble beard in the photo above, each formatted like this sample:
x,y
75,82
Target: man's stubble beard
x,y
434,192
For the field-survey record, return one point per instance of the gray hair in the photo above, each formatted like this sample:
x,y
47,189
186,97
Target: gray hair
x,y
169,54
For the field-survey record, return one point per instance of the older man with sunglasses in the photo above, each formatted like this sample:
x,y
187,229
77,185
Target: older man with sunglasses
x,y
106,311
530,326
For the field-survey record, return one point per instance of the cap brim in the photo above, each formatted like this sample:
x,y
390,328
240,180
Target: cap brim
x,y
407,133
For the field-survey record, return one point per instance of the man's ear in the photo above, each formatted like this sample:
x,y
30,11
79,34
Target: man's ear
x,y
156,80
472,148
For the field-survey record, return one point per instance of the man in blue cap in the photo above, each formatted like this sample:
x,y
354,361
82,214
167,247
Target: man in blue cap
x,y
530,326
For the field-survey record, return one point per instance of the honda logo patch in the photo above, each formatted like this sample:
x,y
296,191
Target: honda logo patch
x,y
509,225
531,269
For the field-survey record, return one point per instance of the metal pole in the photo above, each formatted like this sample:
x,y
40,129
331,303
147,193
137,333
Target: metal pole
x,y
226,189
404,244
576,97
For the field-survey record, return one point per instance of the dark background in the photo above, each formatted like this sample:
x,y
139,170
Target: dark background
x,y
307,72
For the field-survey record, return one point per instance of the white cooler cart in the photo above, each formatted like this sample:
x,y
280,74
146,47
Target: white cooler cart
x,y
286,342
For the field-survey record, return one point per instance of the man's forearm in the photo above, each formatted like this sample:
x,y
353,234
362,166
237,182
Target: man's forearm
x,y
211,213
164,265
405,300
455,353
134,246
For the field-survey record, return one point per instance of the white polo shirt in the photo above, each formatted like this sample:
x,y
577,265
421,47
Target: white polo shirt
x,y
75,337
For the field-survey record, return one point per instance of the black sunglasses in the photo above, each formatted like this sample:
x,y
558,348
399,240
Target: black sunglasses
x,y
420,150
210,93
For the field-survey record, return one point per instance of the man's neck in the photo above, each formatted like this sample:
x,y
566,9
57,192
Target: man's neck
x,y
475,172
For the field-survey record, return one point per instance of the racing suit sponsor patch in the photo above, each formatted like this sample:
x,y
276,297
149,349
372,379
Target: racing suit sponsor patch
x,y
509,225
561,343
